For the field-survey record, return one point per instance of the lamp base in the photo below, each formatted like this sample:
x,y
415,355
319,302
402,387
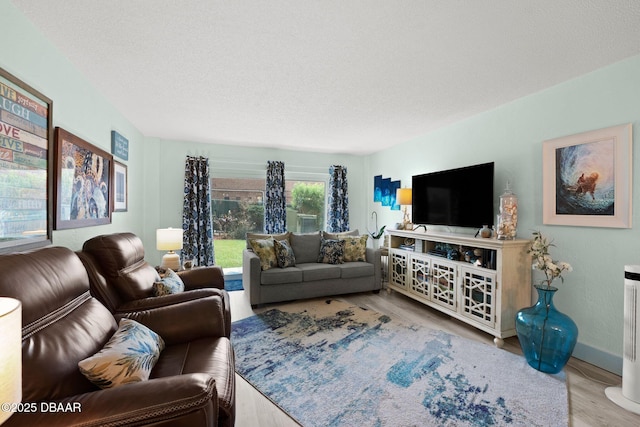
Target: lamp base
x,y
406,222
171,260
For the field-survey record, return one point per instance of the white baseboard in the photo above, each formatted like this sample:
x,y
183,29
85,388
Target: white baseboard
x,y
602,359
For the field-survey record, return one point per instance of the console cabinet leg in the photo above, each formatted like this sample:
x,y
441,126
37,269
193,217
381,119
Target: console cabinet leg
x,y
499,342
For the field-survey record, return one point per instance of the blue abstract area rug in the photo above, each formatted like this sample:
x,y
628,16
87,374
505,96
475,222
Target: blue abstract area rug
x,y
233,285
329,363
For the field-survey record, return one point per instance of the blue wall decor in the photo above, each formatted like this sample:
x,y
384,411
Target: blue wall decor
x,y
393,203
384,191
119,145
377,188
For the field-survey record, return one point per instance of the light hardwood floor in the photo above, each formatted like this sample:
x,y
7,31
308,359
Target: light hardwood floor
x,y
588,405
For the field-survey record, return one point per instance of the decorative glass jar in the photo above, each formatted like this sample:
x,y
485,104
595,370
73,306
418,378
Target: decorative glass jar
x,y
507,223
485,232
547,336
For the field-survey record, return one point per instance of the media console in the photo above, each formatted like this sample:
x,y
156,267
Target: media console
x,y
480,281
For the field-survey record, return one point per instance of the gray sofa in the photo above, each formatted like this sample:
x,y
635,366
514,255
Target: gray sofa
x,y
308,278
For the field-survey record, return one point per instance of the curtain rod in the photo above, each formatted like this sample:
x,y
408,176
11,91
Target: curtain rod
x,y
222,163
221,171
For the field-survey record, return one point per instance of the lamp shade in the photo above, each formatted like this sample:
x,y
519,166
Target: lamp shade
x,y
10,353
169,239
404,196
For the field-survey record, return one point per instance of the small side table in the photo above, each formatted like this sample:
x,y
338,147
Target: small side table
x,y
384,260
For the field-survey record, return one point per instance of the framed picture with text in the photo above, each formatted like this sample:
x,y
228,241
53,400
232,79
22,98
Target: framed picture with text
x,y
83,190
587,178
26,166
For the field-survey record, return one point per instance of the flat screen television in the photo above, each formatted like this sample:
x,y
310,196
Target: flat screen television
x,y
461,197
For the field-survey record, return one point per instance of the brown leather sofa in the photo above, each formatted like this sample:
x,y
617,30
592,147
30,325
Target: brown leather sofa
x,y
192,384
122,280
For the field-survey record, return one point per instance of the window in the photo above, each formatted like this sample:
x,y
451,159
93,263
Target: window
x,y
305,206
238,208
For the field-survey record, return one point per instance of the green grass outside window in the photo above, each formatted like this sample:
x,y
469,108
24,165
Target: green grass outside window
x,y
229,252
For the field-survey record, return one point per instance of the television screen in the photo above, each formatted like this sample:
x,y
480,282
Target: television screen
x,y
460,197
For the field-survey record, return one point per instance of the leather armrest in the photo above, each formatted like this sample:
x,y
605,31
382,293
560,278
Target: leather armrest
x,y
185,400
184,322
157,302
203,277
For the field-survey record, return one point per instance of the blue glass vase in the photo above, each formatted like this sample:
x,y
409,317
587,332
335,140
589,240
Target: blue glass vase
x,y
547,336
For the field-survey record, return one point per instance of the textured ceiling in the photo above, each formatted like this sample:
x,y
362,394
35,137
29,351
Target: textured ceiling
x,y
328,75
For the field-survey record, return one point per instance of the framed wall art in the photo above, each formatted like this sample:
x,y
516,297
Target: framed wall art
x,y
587,178
83,190
26,166
120,188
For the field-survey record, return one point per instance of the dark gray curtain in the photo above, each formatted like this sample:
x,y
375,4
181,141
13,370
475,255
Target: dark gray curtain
x,y
196,212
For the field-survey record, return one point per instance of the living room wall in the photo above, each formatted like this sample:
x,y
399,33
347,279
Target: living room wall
x,y
78,108
155,167
512,136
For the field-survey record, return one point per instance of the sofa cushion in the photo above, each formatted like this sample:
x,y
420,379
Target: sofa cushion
x,y
355,248
351,270
171,283
121,258
338,236
281,236
61,323
265,251
306,247
315,271
210,355
128,356
284,253
279,276
331,251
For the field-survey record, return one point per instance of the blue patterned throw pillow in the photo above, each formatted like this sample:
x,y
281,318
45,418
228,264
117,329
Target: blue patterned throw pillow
x,y
171,283
331,251
128,356
284,254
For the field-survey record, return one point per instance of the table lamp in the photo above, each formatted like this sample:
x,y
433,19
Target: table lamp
x,y
404,198
10,354
169,239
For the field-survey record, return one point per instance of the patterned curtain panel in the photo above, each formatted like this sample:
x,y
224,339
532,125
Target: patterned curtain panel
x,y
338,199
275,205
196,212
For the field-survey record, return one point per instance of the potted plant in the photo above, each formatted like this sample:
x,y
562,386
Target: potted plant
x,y
547,336
376,234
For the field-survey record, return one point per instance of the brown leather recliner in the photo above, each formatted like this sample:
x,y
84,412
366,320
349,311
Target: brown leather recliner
x,y
122,280
192,384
